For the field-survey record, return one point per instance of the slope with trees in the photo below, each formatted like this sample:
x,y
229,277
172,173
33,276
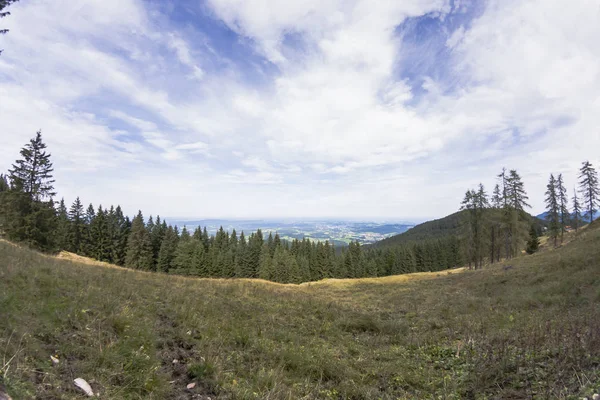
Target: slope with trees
x,y
486,230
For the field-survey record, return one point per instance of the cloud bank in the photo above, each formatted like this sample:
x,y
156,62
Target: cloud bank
x,y
262,108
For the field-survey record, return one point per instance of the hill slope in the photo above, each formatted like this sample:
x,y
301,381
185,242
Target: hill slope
x,y
440,228
435,229
530,331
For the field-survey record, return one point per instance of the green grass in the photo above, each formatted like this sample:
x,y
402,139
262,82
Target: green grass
x,y
532,331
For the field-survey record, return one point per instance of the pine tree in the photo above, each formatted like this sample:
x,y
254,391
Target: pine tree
x,y
534,242
576,210
28,211
100,240
89,247
563,202
168,247
157,232
184,254
266,269
515,221
497,197
121,235
516,191
139,246
241,257
552,210
496,225
77,228
63,226
475,202
588,187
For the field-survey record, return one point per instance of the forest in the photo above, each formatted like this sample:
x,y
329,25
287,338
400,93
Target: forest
x,y
486,230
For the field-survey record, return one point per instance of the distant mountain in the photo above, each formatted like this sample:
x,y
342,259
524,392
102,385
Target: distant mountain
x,y
585,218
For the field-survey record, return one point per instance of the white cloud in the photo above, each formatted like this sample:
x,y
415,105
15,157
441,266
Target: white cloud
x,y
159,121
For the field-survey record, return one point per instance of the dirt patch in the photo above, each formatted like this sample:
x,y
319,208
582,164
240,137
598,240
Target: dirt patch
x,y
179,356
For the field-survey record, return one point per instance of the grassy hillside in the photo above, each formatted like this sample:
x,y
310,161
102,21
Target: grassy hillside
x,y
530,331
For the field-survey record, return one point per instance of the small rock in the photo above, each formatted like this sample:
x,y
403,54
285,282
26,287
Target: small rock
x,y
175,361
596,396
54,360
83,385
191,385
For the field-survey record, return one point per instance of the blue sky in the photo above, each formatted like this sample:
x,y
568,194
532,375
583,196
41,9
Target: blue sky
x,y
308,109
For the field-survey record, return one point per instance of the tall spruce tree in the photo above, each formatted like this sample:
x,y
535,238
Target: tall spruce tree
x,y
588,187
576,210
515,217
28,206
89,247
475,202
100,240
139,246
534,242
121,235
63,228
77,228
563,206
552,210
168,247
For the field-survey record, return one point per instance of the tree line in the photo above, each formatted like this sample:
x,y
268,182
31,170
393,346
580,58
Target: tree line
x,y
497,227
493,228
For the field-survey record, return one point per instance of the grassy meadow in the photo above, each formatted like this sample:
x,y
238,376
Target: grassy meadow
x,y
529,328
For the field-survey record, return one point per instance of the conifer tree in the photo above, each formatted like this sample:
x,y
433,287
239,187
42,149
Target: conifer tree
x,y
139,246
475,202
266,270
552,209
77,228
157,233
63,226
28,210
496,226
534,242
588,187
88,240
100,240
184,254
241,257
121,235
517,196
167,251
563,202
576,210
515,202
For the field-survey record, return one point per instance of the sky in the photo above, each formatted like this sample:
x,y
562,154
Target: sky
x,y
350,109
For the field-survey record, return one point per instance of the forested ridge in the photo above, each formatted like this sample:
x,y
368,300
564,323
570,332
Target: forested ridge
x,y
486,230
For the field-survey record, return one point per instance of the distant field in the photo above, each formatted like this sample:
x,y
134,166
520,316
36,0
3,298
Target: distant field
x,y
529,331
338,232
